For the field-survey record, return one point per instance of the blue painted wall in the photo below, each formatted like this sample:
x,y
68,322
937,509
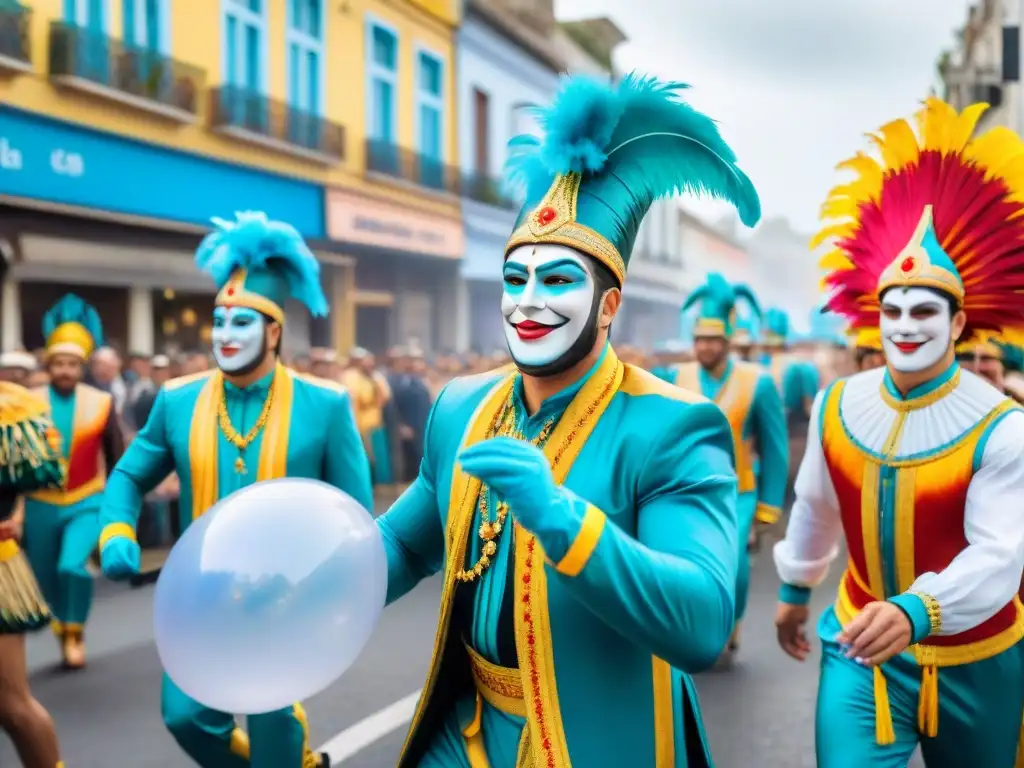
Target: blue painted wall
x,y
59,162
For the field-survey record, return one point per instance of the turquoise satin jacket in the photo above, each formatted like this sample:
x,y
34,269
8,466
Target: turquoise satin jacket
x,y
309,431
648,579
800,384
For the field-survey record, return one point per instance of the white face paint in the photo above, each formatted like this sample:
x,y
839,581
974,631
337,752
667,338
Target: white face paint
x,y
916,328
238,334
548,299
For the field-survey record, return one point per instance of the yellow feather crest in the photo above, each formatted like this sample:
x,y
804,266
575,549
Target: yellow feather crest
x,y
831,232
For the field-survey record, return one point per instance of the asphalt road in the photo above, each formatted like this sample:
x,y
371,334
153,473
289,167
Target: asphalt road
x,y
760,713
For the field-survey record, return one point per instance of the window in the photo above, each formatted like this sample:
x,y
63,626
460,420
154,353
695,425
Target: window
x,y
305,55
88,14
143,24
430,105
244,28
383,71
481,132
91,51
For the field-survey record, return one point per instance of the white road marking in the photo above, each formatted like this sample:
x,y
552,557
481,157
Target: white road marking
x,y
370,729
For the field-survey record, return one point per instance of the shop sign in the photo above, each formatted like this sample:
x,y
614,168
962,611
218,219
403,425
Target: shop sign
x,y
52,161
354,219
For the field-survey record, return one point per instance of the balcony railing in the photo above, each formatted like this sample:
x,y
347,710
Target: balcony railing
x,y
15,42
275,123
82,57
388,159
485,189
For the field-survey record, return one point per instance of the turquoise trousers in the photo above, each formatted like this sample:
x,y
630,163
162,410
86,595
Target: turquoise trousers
x,y
213,740
981,707
746,509
58,544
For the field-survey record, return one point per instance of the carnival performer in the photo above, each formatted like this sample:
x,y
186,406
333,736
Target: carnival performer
x,y
30,459
582,510
867,349
744,339
747,395
62,524
370,395
251,419
920,463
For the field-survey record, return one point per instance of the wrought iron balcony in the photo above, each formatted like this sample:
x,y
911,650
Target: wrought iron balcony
x,y
83,59
388,159
15,41
485,189
253,117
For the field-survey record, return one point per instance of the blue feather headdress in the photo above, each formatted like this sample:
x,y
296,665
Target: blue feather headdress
x,y
609,151
72,326
718,299
258,263
777,327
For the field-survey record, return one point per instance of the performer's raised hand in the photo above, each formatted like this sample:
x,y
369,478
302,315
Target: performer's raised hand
x,y
790,621
879,632
120,557
519,473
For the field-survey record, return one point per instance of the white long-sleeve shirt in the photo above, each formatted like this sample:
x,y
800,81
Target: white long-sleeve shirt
x,y
986,575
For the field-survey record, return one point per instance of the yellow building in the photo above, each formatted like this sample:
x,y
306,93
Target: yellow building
x,y
126,124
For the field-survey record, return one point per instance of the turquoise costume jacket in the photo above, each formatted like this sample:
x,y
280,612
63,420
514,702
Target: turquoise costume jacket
x,y
588,621
800,383
311,429
758,423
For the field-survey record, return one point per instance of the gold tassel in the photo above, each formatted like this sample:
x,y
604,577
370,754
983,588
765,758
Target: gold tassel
x,y
884,733
476,753
928,702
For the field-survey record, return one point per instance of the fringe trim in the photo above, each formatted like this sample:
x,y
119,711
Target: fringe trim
x,y
22,607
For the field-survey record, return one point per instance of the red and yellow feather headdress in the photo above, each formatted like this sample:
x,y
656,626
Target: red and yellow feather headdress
x,y
940,209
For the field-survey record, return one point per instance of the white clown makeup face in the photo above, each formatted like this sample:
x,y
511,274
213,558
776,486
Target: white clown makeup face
x,y
547,303
238,338
916,328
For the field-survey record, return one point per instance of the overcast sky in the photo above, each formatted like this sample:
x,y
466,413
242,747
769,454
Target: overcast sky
x,y
793,83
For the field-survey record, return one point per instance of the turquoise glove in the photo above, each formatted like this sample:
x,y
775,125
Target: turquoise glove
x,y
120,558
520,475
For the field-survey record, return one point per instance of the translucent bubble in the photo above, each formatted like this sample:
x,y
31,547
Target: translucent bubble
x,y
270,596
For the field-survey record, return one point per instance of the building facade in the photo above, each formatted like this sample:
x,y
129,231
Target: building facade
x,y
395,207
507,65
126,125
985,65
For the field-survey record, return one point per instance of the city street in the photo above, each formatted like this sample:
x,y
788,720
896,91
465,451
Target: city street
x,y
759,714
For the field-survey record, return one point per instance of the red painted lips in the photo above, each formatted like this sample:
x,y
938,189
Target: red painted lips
x,y
529,330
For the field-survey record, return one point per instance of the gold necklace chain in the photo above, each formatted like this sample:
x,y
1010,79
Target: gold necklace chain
x,y
232,435
490,530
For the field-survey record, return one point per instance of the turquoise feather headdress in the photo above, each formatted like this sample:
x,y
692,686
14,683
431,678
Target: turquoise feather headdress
x,y
72,327
609,151
259,264
776,328
718,299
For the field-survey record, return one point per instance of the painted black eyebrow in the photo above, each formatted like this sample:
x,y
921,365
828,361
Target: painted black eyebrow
x,y
930,304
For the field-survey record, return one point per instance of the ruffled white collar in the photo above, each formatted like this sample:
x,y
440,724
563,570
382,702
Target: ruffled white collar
x,y
937,414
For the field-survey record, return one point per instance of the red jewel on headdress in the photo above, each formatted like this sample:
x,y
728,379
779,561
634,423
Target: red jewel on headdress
x,y
907,264
546,215
231,291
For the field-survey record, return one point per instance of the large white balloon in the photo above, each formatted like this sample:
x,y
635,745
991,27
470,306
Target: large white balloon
x,y
270,596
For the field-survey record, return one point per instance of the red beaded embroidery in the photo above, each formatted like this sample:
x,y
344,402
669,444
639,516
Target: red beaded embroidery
x,y
907,264
531,642
546,215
